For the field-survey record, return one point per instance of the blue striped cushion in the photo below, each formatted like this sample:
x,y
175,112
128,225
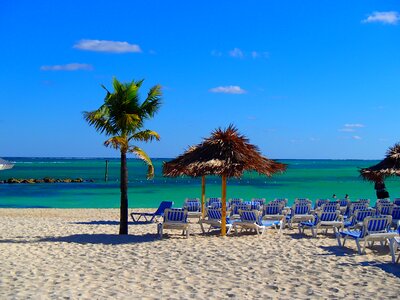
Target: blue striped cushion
x,y
214,214
272,209
396,212
328,216
176,215
301,209
193,206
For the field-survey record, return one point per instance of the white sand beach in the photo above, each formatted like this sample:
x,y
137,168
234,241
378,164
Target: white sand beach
x,y
77,254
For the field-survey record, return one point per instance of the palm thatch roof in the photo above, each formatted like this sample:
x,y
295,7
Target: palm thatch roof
x,y
389,166
227,153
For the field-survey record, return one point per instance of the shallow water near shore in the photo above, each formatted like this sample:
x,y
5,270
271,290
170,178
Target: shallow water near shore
x,y
304,178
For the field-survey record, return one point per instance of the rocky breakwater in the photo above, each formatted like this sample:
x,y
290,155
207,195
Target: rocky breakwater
x,y
45,180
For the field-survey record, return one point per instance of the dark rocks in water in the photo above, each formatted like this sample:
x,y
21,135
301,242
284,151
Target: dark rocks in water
x,y
45,180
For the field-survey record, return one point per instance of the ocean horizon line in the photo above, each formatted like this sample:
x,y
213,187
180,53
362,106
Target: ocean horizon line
x,y
169,158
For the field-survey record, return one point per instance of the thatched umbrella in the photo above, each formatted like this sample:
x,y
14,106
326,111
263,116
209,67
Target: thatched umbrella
x,y
389,166
227,154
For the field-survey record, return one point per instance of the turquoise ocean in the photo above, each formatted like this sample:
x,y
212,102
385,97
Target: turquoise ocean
x,y
304,178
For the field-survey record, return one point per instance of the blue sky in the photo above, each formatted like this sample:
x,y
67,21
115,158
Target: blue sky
x,y
301,79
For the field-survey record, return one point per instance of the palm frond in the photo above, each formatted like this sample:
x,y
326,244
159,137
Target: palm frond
x,y
117,142
145,136
153,101
143,156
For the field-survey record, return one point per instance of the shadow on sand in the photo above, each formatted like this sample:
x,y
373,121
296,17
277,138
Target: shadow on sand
x,y
115,223
105,239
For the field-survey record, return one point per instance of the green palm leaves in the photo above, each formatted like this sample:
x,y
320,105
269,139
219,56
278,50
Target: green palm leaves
x,y
122,117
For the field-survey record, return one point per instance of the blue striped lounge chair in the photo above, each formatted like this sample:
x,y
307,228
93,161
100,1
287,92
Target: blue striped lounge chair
x,y
353,207
193,206
396,216
214,202
302,200
331,206
150,217
213,219
323,220
274,211
320,202
382,201
252,220
384,209
175,218
344,204
394,245
357,219
234,213
363,200
300,211
373,229
281,200
261,201
396,201
254,205
234,201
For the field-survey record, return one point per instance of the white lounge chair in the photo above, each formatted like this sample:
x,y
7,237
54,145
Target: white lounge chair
x,y
373,229
323,220
252,220
174,218
213,219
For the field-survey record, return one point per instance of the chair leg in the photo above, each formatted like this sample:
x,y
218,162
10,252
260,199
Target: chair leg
x,y
314,232
187,232
392,248
202,227
160,230
338,239
358,246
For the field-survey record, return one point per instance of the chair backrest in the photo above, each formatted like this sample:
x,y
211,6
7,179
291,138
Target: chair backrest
x,y
344,202
381,201
273,208
281,200
396,213
385,208
240,206
302,200
301,208
360,215
356,206
251,216
214,202
259,200
162,207
363,200
376,225
234,201
320,202
214,214
253,205
327,216
330,206
175,215
193,206
396,201
192,200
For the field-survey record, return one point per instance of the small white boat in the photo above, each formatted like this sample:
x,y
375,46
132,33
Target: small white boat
x,y
5,165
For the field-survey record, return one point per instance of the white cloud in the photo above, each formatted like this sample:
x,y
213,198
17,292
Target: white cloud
x,y
67,67
385,17
353,125
236,53
356,137
231,89
347,130
107,46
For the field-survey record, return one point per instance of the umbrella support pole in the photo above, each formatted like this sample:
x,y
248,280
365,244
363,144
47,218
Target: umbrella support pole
x,y
203,196
223,210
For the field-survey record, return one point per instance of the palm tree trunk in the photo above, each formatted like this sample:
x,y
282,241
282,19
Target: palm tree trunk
x,y
123,222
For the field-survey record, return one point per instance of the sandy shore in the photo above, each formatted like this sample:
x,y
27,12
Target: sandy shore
x,y
76,254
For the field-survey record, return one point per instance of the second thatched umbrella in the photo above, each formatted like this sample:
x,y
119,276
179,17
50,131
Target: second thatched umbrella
x,y
227,154
389,166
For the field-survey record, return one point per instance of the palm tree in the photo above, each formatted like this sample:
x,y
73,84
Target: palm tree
x,y
121,118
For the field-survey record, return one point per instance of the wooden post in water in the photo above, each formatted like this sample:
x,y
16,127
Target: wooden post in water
x,y
106,172
223,210
203,195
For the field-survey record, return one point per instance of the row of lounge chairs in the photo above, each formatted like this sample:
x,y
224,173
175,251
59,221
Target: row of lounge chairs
x,y
355,221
